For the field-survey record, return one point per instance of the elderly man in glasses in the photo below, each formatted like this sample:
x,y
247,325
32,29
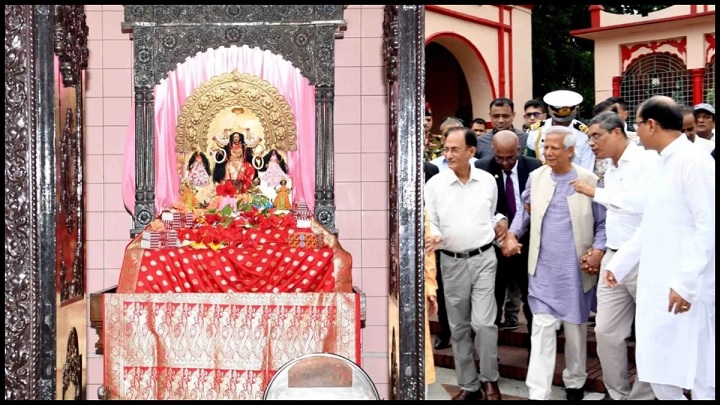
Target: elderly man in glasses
x,y
461,203
446,125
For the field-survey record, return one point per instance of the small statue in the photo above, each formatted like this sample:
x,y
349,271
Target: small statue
x,y
282,199
198,169
187,196
275,169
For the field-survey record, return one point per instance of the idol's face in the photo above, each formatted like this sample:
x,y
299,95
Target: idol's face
x,y
198,158
236,139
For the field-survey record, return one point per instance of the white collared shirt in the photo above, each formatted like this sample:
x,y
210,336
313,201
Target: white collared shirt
x,y
441,162
463,214
623,191
704,144
516,186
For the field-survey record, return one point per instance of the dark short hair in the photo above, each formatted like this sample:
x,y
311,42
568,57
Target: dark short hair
x,y
608,120
603,106
618,100
479,121
667,115
501,102
470,136
535,103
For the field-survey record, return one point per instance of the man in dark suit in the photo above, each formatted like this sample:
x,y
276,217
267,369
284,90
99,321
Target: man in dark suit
x,y
511,171
429,170
442,338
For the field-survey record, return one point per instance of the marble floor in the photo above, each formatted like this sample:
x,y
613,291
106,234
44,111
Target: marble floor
x,y
445,387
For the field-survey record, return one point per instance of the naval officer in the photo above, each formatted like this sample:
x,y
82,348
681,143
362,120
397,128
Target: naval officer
x,y
563,108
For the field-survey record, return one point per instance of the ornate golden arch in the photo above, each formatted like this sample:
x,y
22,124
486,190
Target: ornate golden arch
x,y
231,90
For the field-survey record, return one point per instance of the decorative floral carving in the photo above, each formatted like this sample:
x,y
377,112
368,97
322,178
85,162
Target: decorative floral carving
x,y
72,370
390,42
71,33
629,53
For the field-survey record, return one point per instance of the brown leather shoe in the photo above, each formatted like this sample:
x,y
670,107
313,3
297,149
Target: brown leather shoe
x,y
467,395
492,392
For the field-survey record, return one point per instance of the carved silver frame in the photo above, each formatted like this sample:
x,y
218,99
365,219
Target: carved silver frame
x,y
165,35
30,204
404,51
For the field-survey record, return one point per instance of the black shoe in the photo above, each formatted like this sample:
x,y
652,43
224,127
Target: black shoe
x,y
510,324
575,394
441,343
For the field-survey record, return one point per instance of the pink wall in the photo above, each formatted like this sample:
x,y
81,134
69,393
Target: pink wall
x,y
361,167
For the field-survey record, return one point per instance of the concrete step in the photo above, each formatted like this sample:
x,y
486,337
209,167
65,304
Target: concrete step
x,y
513,353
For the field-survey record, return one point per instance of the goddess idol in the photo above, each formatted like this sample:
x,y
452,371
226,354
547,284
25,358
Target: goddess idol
x,y
233,165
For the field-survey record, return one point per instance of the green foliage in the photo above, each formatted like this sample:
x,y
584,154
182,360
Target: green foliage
x,y
561,61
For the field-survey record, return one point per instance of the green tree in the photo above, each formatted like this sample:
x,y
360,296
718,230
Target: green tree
x,y
561,61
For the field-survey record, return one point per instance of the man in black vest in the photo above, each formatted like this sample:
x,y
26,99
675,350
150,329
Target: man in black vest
x,y
511,171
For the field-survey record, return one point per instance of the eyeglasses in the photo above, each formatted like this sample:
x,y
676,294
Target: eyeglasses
x,y
596,137
637,124
535,114
453,151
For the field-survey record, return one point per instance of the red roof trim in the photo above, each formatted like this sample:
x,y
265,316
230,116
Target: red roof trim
x,y
586,31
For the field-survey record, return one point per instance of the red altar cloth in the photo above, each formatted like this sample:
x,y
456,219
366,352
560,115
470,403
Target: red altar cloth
x,y
257,260
219,346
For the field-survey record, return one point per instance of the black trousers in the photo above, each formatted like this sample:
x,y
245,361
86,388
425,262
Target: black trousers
x,y
512,268
444,331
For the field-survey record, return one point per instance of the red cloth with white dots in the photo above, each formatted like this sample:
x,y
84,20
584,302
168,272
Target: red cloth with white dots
x,y
257,260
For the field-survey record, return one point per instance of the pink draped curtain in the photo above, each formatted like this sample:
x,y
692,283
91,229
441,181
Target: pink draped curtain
x,y
171,93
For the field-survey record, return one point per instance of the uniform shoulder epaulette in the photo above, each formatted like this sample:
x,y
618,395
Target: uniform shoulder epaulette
x,y
537,125
581,127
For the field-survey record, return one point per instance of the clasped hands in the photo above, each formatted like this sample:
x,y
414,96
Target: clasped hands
x,y
590,262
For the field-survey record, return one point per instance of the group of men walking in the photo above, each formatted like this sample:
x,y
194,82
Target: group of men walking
x,y
555,210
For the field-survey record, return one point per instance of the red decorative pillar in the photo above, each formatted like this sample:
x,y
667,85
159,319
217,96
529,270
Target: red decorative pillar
x,y
595,10
697,84
616,85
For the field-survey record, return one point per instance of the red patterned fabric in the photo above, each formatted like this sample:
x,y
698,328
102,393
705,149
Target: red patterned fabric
x,y
218,346
262,262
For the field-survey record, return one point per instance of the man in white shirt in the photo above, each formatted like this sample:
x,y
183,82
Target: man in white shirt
x,y
675,246
625,180
690,130
461,203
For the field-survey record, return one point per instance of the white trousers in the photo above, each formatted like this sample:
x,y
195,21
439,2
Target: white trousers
x,y
542,356
671,392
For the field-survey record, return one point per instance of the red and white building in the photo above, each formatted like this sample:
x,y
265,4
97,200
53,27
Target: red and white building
x,y
669,52
475,54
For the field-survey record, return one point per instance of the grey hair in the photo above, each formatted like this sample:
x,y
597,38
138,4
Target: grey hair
x,y
450,122
608,120
569,137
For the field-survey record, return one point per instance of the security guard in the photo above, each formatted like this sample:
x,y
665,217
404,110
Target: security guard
x,y
433,143
563,107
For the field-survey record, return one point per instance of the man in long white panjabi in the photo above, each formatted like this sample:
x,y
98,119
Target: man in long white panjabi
x,y
625,180
675,245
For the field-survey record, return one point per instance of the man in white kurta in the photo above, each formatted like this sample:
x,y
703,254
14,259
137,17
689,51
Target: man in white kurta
x,y
675,244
